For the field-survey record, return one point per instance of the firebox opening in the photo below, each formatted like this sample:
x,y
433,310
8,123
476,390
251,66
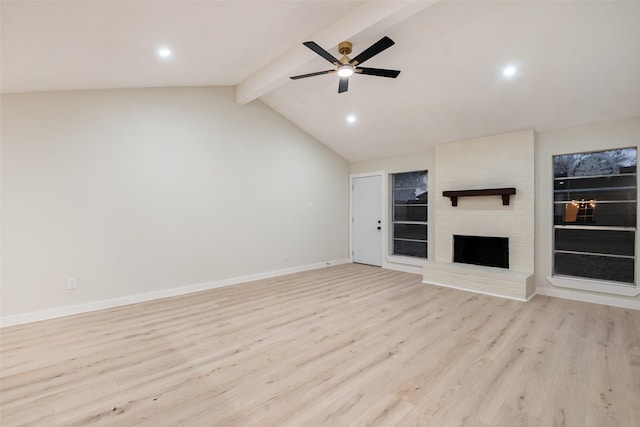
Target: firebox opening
x,y
480,250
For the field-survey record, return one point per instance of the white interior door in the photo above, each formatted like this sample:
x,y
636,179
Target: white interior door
x,y
366,195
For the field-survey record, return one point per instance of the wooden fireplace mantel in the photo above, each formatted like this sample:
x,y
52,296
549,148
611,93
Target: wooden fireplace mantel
x,y
504,192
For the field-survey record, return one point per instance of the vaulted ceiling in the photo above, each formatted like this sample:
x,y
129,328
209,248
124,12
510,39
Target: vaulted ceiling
x,y
576,62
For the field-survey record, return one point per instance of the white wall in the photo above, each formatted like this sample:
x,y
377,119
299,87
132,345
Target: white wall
x,y
590,137
397,164
139,191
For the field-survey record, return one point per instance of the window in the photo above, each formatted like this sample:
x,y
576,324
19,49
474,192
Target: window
x,y
409,216
595,215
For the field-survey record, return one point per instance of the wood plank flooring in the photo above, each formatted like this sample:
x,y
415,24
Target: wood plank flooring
x,y
340,346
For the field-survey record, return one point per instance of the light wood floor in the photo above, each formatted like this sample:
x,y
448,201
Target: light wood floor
x,y
341,346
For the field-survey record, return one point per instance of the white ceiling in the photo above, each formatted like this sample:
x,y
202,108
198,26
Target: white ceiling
x,y
577,62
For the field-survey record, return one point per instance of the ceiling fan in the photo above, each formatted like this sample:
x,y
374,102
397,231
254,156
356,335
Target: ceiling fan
x,y
346,67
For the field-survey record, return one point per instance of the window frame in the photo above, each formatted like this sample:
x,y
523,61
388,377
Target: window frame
x,y
583,282
393,222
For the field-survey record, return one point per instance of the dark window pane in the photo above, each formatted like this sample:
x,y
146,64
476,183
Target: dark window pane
x,y
413,180
410,231
596,241
615,187
415,249
609,214
409,196
595,182
595,267
403,196
596,194
410,213
599,163
609,188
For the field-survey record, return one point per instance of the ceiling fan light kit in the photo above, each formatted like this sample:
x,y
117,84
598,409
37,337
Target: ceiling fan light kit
x,y
345,70
346,67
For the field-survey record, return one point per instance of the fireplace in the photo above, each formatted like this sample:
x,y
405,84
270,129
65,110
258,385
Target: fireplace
x,y
479,173
481,250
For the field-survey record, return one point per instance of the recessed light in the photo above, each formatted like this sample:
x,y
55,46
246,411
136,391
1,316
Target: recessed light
x,y
164,53
509,71
351,118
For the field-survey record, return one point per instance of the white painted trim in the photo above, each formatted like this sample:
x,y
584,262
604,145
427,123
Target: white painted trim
x,y
633,304
479,292
386,210
403,267
403,263
594,286
383,210
150,296
405,260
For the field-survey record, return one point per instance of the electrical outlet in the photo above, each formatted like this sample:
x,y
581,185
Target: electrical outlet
x,y
72,283
285,256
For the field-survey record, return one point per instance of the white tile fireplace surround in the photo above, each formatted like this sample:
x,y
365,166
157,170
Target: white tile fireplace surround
x,y
496,162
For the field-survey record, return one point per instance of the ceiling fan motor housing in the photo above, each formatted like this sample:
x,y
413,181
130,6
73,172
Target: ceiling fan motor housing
x,y
345,48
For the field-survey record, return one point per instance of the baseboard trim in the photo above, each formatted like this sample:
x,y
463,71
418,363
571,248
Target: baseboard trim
x,y
633,304
53,313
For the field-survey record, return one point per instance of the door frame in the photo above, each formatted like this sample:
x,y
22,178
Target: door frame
x,y
384,232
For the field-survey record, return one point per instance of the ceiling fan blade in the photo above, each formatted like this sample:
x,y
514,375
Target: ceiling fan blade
x,y
344,84
320,51
381,72
374,49
319,73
